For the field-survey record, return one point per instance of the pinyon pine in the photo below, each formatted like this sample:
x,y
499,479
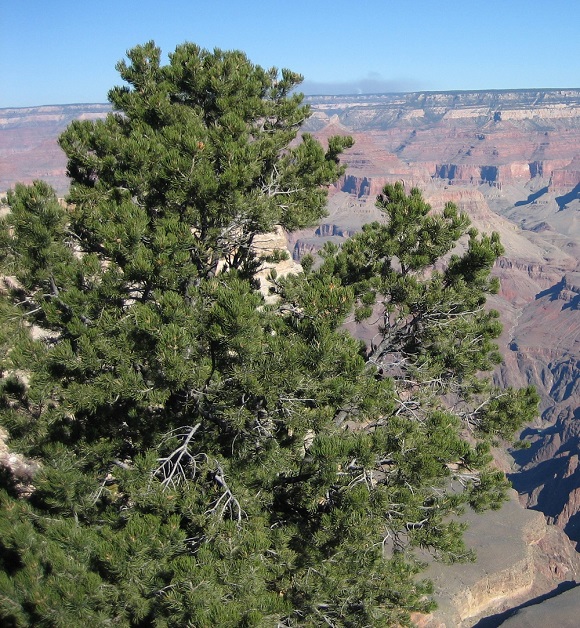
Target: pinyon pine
x,y
206,458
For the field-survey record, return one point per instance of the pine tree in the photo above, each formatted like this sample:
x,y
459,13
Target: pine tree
x,y
208,459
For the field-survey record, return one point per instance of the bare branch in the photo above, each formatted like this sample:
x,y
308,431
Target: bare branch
x,y
227,502
180,464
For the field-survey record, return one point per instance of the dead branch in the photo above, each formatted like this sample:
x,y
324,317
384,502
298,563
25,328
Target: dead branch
x,y
227,502
180,464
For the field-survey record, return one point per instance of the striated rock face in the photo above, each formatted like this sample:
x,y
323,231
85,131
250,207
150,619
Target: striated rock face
x,y
28,147
362,186
468,138
520,559
566,177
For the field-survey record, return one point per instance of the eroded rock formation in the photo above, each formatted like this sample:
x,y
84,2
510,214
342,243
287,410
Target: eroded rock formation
x,y
520,559
499,156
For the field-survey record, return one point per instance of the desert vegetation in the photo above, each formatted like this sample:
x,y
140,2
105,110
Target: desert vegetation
x,y
201,456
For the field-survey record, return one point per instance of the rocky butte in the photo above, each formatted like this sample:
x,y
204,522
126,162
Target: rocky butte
x,y
511,160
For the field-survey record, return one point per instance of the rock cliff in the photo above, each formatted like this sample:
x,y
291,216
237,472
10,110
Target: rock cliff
x,y
499,156
520,560
471,138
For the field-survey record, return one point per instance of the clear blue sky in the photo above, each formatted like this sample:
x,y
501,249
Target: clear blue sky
x,y
64,51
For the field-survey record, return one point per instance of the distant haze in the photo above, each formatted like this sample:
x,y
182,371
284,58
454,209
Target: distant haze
x,y
373,84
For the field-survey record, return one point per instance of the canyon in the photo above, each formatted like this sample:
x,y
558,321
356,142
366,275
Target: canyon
x,y
511,160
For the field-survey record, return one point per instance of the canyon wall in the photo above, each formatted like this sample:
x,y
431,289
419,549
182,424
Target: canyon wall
x,y
511,160
28,147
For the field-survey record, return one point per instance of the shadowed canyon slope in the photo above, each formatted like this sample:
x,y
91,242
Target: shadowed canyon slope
x,y
511,160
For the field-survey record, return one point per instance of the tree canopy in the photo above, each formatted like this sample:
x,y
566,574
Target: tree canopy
x,y
204,457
